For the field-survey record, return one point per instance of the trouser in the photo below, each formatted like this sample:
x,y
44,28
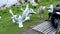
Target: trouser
x,y
50,14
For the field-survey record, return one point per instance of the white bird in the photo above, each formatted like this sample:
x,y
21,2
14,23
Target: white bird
x,y
27,13
15,19
50,9
23,1
0,17
25,16
41,9
33,2
32,11
20,19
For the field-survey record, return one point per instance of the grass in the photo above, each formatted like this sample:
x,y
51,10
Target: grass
x,y
8,27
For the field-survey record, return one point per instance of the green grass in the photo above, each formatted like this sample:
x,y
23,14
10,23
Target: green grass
x,y
8,27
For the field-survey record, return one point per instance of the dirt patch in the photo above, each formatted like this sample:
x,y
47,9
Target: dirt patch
x,y
30,31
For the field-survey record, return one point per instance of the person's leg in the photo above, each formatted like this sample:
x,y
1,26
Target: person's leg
x,y
49,16
42,13
58,29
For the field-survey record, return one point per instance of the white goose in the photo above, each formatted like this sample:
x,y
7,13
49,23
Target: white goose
x,y
50,9
25,16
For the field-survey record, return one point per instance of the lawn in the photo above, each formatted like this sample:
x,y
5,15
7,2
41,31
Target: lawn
x,y
8,27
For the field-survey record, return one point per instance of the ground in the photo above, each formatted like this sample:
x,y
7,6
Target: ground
x,y
8,27
30,31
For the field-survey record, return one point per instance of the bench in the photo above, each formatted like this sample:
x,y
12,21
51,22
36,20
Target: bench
x,y
45,28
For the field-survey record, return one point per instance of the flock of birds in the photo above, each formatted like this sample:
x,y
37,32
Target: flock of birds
x,y
27,13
